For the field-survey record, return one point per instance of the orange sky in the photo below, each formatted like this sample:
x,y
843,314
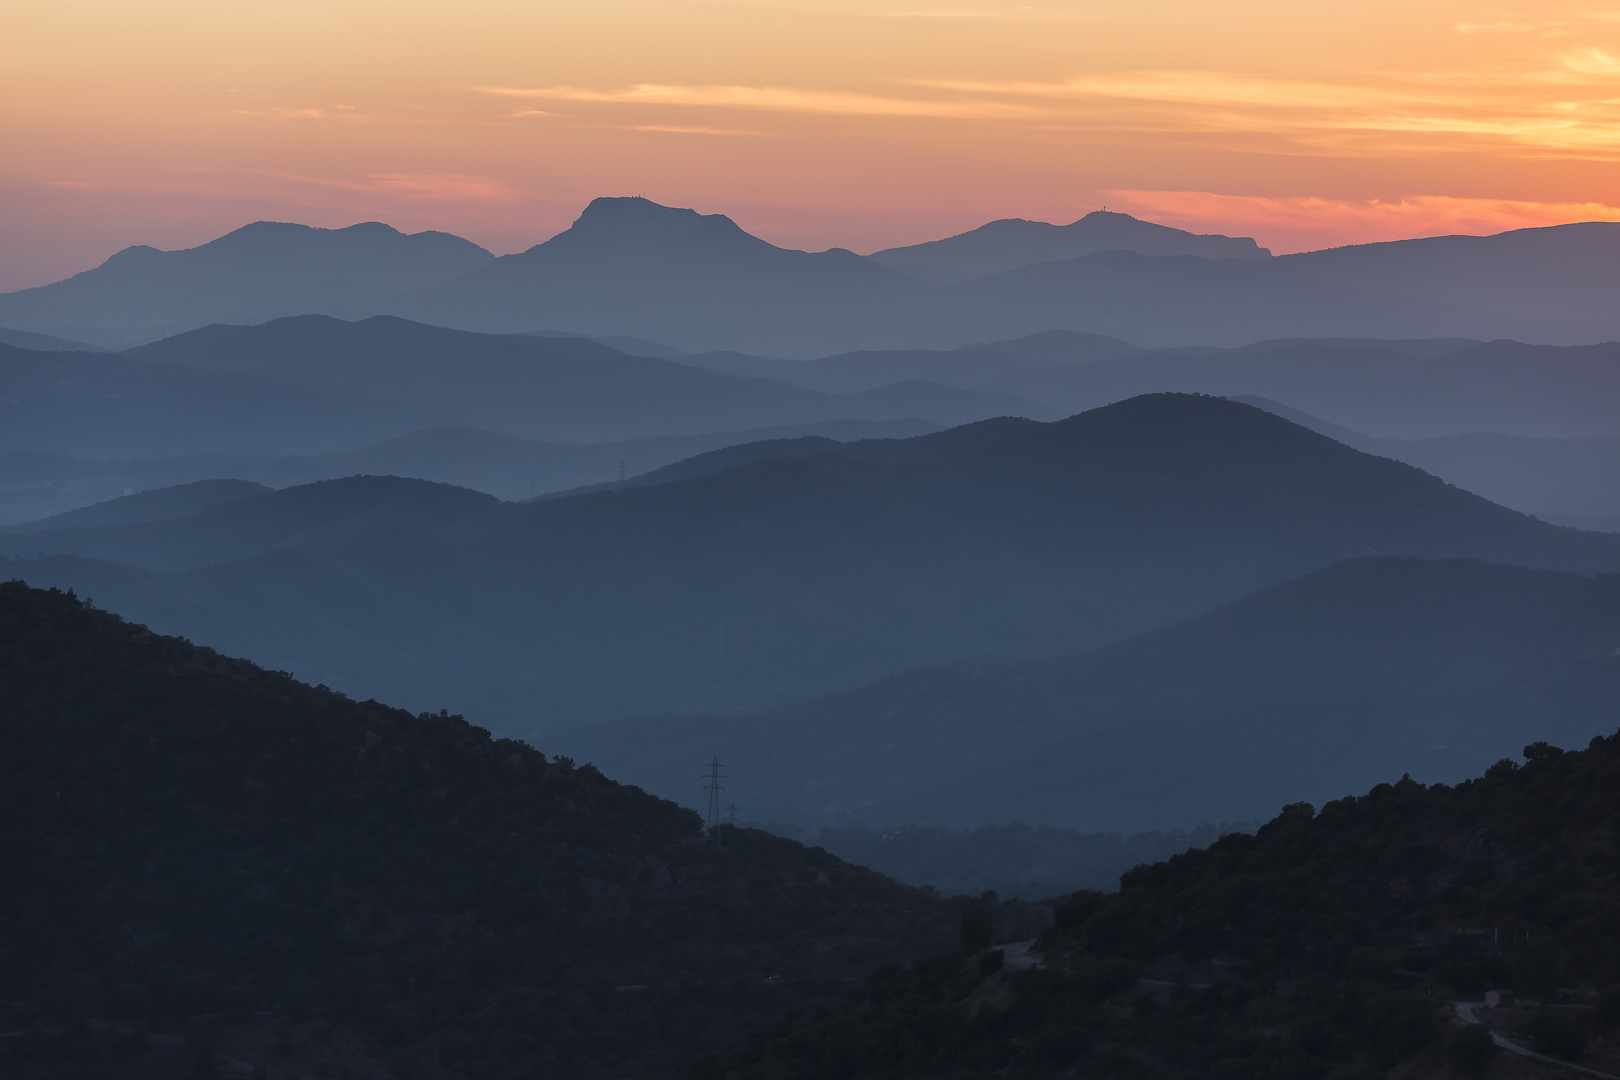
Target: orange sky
x,y
855,123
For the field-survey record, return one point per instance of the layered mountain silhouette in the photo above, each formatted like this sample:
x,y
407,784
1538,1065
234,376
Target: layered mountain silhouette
x,y
1386,389
111,406
232,528
259,272
1323,686
160,504
629,266
36,486
566,389
312,384
1558,480
972,367
23,339
1014,242
770,580
631,269
700,283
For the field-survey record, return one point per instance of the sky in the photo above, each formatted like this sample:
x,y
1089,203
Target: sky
x,y
857,123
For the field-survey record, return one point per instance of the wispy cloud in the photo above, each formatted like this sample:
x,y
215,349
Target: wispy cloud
x,y
1016,13
1567,107
451,187
1184,87
770,98
672,129
1559,102
1504,27
1009,13
346,113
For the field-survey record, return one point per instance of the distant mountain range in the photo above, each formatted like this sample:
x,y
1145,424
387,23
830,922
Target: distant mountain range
x,y
763,576
309,398
1567,481
36,486
259,272
315,384
1409,389
630,268
1014,242
1311,690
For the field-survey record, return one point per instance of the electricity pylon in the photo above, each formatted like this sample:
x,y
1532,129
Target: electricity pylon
x,y
711,821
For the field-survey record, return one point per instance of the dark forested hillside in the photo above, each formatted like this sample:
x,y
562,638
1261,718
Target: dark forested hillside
x,y
220,859
1326,946
782,578
1310,690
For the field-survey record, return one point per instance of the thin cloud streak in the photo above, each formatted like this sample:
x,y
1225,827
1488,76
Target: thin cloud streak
x,y
770,98
670,129
450,187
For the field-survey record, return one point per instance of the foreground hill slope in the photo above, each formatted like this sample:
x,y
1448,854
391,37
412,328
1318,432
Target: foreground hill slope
x,y
1308,690
1327,947
296,879
778,579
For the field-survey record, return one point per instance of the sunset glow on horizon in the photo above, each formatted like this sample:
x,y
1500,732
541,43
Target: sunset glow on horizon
x,y
859,124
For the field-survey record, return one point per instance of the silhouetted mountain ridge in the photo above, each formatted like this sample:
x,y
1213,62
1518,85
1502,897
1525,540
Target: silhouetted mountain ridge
x,y
784,577
1014,242
258,272
563,389
630,268
1307,690
322,514
163,504
33,486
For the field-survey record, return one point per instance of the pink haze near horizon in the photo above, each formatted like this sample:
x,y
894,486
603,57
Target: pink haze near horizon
x,y
812,123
